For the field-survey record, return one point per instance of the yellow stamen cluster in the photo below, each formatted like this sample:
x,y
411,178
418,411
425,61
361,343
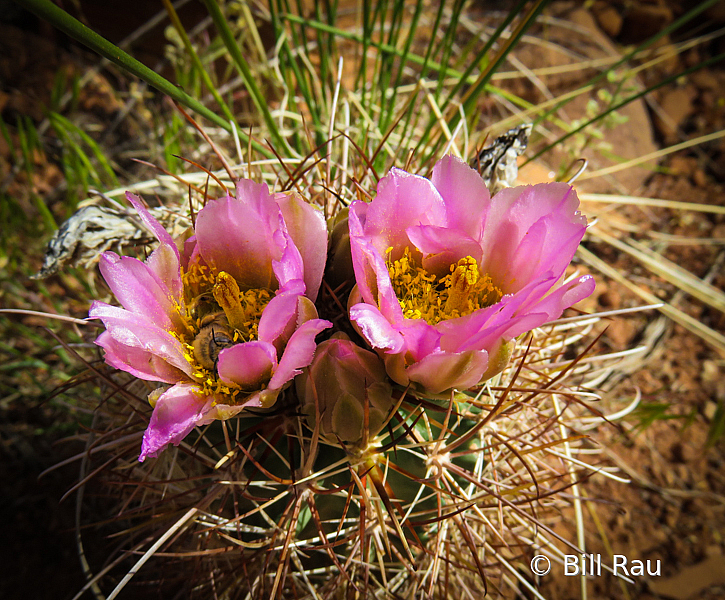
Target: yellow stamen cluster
x,y
197,280
422,295
211,385
217,307
252,303
226,292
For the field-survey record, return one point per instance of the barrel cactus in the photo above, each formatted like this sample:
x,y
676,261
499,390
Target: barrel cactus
x,y
292,416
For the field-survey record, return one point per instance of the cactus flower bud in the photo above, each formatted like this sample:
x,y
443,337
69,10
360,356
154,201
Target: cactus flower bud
x,y
344,378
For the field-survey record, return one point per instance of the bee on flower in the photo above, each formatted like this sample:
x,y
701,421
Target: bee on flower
x,y
226,323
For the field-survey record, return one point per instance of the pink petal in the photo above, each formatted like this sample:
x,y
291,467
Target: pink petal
x,y
299,352
523,238
279,319
403,200
371,273
530,308
503,328
554,303
466,197
139,334
306,310
176,413
140,363
161,234
236,235
514,319
442,247
164,262
531,230
376,329
249,365
420,338
306,226
288,270
441,371
484,328
190,253
140,290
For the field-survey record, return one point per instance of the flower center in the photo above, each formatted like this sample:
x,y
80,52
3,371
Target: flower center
x,y
219,315
423,295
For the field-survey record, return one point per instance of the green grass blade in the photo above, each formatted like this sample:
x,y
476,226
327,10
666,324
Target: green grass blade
x,y
241,64
684,19
471,96
381,58
29,142
416,59
325,52
403,59
90,142
487,47
204,74
480,85
360,82
717,427
6,134
293,77
172,147
407,131
59,87
62,20
632,98
447,44
388,60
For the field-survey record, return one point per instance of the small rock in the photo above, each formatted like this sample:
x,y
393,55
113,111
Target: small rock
x,y
691,580
682,165
699,178
675,106
610,298
712,379
643,21
608,18
621,331
718,232
705,79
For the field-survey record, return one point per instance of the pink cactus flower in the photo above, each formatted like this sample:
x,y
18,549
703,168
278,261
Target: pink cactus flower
x,y
228,322
447,276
